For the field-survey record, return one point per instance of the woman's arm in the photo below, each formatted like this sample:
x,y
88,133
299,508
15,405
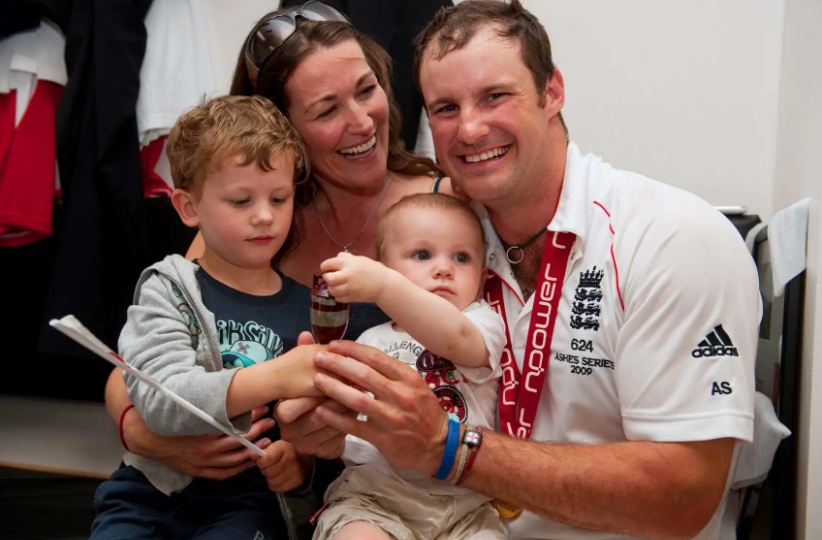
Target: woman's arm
x,y
300,425
197,247
215,457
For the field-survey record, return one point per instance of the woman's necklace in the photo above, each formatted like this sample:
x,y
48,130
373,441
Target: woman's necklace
x,y
509,250
356,239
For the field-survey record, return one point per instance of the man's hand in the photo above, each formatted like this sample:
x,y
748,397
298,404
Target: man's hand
x,y
405,420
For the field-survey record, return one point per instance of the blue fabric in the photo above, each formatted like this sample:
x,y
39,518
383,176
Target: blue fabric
x,y
129,507
361,317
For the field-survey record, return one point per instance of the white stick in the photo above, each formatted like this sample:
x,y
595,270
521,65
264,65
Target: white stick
x,y
73,328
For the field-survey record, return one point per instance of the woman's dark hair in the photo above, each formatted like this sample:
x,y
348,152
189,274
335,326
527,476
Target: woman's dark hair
x,y
308,37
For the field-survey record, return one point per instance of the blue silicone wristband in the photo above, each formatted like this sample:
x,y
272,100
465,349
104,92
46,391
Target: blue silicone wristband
x,y
452,442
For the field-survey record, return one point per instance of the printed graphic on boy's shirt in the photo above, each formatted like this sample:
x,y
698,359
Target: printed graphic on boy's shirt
x,y
245,344
191,321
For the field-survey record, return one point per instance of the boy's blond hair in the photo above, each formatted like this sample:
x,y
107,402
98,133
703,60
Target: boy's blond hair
x,y
435,201
244,128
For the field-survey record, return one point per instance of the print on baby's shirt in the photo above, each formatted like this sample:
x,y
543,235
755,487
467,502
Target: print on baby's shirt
x,y
442,376
398,349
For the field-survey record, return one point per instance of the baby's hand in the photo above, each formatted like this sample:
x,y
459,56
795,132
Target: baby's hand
x,y
282,467
353,278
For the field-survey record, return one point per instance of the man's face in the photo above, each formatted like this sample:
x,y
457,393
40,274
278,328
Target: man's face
x,y
490,132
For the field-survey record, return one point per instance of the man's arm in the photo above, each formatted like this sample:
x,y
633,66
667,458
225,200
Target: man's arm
x,y
659,490
433,321
646,489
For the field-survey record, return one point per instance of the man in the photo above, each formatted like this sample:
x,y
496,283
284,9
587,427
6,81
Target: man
x,y
631,307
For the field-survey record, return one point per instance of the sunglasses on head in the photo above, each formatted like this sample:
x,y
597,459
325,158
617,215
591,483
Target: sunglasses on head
x,y
273,31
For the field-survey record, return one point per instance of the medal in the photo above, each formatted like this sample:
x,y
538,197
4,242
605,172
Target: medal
x,y
505,510
519,393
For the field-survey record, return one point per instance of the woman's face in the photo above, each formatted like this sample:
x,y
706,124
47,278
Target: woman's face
x,y
341,113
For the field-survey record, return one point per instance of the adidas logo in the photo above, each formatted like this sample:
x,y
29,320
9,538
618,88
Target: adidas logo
x,y
716,343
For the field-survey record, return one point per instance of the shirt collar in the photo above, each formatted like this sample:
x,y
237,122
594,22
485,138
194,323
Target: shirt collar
x,y
572,210
570,216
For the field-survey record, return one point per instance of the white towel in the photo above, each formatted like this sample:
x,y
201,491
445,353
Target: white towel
x,y
176,72
788,235
750,238
29,56
756,457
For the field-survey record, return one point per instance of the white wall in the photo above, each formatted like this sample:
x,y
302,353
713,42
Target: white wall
x,y
799,175
684,92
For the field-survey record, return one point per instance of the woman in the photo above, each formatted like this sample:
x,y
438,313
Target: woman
x,y
333,84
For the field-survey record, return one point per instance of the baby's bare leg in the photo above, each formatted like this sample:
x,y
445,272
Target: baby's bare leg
x,y
361,530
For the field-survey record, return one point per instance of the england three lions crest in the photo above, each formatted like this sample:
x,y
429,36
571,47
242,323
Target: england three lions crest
x,y
585,309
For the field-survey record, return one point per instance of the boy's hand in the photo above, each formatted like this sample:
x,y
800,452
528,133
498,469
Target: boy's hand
x,y
282,467
353,278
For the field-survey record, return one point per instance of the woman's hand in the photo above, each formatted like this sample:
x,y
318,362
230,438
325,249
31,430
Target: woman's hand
x,y
216,457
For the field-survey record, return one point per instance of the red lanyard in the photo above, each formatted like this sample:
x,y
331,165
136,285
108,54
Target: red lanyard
x,y
519,395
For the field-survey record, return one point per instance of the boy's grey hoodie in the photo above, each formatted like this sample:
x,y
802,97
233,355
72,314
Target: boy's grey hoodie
x,y
171,336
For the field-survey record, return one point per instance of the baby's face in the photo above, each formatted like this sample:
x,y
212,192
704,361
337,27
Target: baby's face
x,y
439,250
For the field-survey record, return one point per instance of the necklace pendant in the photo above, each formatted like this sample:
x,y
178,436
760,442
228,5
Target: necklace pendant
x,y
357,238
515,254
514,250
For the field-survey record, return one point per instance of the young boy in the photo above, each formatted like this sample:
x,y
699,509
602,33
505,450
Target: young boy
x,y
432,253
235,162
